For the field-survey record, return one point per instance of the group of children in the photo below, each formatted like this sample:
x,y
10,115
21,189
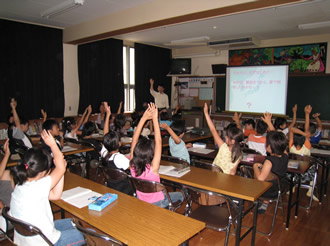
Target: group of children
x,y
36,184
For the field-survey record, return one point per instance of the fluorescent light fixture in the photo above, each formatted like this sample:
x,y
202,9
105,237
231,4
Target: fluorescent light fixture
x,y
61,8
191,40
314,25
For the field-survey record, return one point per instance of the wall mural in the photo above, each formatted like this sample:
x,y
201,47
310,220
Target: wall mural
x,y
308,58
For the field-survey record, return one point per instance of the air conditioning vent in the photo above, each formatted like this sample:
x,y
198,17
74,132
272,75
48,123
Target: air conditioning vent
x,y
234,43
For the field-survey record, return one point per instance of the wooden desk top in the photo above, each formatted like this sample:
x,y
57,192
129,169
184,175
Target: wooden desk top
x,y
78,148
130,220
188,137
235,186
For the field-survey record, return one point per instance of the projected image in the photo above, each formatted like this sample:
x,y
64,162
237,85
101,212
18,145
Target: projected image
x,y
257,89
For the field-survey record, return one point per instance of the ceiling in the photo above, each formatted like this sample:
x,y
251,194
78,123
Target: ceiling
x,y
264,24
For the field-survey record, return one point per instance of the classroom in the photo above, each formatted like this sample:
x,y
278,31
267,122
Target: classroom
x,y
67,57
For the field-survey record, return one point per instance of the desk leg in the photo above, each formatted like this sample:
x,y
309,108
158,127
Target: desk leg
x,y
297,197
289,203
239,222
322,180
255,217
326,177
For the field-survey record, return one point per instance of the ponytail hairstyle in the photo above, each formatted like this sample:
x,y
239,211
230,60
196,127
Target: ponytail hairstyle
x,y
142,155
236,134
34,161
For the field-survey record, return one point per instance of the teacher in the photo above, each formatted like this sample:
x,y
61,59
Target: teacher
x,y
161,99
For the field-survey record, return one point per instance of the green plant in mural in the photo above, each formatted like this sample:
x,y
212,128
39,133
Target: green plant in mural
x,y
296,52
299,65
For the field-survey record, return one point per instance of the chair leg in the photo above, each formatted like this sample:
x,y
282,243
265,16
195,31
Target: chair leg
x,y
273,221
227,234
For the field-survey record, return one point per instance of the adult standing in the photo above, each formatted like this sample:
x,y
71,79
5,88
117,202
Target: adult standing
x,y
161,99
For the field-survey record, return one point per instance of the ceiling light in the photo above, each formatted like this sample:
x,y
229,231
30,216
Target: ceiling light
x,y
191,40
314,25
61,8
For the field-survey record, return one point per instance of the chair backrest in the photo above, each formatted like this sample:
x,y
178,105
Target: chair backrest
x,y
206,165
250,151
94,238
205,198
24,228
176,160
114,174
147,186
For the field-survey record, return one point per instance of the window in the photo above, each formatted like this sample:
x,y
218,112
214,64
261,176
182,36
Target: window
x,y
129,77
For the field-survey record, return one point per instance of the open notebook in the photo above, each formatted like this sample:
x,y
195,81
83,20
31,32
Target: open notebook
x,y
79,196
173,171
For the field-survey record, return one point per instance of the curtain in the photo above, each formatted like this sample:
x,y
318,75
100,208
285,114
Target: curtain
x,y
100,68
151,62
31,70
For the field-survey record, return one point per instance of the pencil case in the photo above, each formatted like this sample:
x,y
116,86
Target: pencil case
x,y
102,201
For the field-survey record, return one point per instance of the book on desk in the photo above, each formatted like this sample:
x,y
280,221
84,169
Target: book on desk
x,y
79,196
173,171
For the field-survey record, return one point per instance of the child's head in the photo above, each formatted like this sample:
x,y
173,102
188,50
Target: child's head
x,y
249,124
164,115
68,123
135,119
261,127
51,126
142,155
24,124
178,127
161,88
119,122
35,161
88,129
298,140
233,137
176,116
280,123
102,109
312,128
111,141
276,142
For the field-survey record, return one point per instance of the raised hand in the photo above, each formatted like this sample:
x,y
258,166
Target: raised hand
x,y
267,117
6,148
308,109
107,108
294,109
151,81
206,109
316,115
13,103
237,116
48,138
164,125
147,115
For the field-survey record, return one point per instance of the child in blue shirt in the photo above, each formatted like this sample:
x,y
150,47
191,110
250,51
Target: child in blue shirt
x,y
177,146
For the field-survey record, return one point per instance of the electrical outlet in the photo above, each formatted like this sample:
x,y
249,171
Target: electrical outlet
x,y
69,108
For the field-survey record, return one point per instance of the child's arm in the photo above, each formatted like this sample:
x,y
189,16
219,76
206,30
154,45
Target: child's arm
x,y
146,116
215,135
13,105
152,91
60,166
318,121
294,117
308,110
264,172
158,141
298,131
268,120
83,119
175,137
107,118
237,119
119,108
44,115
5,159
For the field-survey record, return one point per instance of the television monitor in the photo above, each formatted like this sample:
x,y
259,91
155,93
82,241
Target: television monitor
x,y
257,89
180,66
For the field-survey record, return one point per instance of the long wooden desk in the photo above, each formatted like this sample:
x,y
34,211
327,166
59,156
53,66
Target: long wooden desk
x,y
130,220
234,186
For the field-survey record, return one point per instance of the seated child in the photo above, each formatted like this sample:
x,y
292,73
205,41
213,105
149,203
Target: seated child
x,y
316,132
164,117
230,153
19,130
51,126
36,184
280,123
249,127
276,163
146,158
177,146
70,127
86,135
257,141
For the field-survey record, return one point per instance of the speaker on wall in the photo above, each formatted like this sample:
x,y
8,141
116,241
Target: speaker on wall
x,y
219,68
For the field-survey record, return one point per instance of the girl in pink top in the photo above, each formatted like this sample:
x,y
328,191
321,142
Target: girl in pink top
x,y
146,158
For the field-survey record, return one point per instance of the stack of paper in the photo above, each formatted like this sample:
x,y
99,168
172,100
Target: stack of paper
x,y
173,171
200,150
67,148
79,197
293,164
